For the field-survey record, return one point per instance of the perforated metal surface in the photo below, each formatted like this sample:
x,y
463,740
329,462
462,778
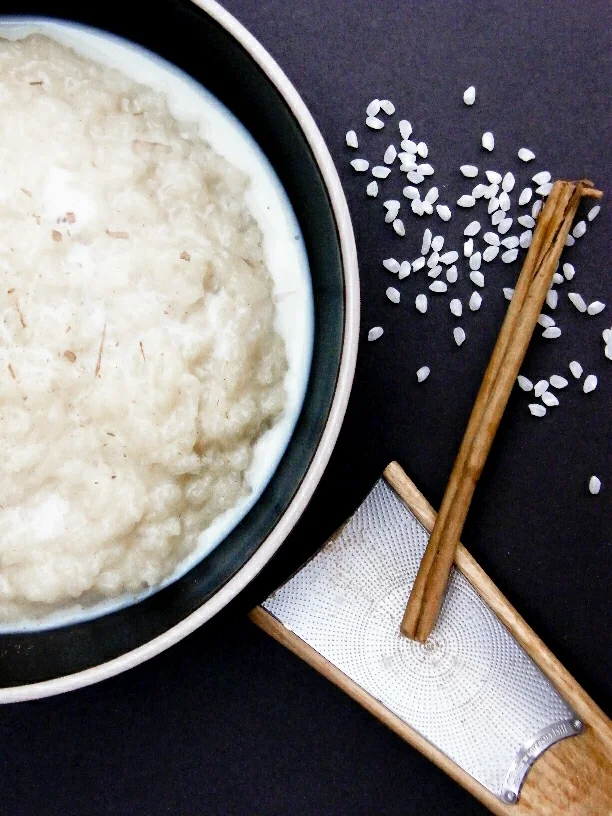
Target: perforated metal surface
x,y
471,690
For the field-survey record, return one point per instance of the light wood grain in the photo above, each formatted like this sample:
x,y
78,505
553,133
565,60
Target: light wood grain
x,y
573,777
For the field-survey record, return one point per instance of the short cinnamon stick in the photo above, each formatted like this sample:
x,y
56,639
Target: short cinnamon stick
x,y
534,281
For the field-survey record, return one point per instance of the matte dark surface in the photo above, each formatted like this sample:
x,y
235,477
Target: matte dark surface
x,y
228,722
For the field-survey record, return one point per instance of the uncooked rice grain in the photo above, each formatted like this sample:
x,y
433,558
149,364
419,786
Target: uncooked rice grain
x,y
577,300
576,369
398,226
543,177
432,195
511,242
479,190
468,247
418,263
473,228
557,381
508,292
579,229
552,298
525,196
549,399
525,154
535,209
570,240
493,176
509,256
477,278
493,205
594,485
375,333
351,139
456,307
490,254
525,239
444,212
475,301
373,108
411,193
392,265
438,286
415,177
393,294
405,129
546,321
390,155
421,303
422,373
469,95
491,238
596,307
488,141
504,225
451,274
475,261
380,172
590,383
437,242
593,212
540,387
504,201
404,270
422,150
552,333
360,165
375,123
469,170
459,335
568,271
537,410
372,189
387,106
497,217
544,189
524,383
466,201
434,272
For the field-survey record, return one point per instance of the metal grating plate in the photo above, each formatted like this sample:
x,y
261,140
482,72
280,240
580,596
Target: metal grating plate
x,y
470,690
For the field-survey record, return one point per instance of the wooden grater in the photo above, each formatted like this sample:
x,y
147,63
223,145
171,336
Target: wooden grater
x,y
484,698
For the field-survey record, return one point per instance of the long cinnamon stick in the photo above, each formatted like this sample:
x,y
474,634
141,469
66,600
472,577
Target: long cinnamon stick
x,y
521,318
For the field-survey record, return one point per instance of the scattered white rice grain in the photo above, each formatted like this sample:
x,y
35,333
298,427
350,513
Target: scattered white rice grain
x,y
558,279
456,307
497,217
380,172
596,307
549,399
493,205
391,265
490,253
594,485
524,383
579,229
426,242
552,298
437,242
546,321
375,333
372,189
509,256
438,286
473,228
469,95
544,189
504,201
444,212
466,201
577,300
425,169
504,225
449,257
417,207
475,301
526,221
576,369
451,274
391,204
543,177
477,278
405,129
422,150
398,226
552,333
508,292
390,155
491,238
493,176
468,247
393,294
434,271
508,182
469,170
422,373
511,242
590,384
570,240
525,154
537,410
417,264
415,177
373,108
360,165
375,123
535,210
427,208
432,195
421,303
607,336
459,335
525,196
491,191
351,139
568,271
488,140
479,190
408,161
557,381
433,259
593,212
608,351
387,106
391,215
408,145
404,270
411,193
540,387
525,239
475,261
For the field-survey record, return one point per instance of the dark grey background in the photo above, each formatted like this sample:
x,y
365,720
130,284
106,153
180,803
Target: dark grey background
x,y
228,722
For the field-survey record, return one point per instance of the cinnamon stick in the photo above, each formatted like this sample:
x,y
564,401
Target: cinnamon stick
x,y
521,318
